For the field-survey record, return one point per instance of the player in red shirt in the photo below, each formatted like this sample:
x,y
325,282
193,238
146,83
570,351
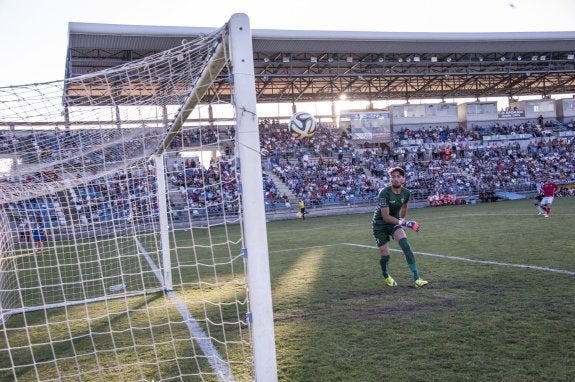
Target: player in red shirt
x,y
549,189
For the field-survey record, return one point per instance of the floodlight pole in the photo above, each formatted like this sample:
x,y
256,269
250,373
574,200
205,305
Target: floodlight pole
x,y
253,209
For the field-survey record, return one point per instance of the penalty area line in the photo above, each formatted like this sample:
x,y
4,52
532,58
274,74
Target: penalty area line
x,y
488,262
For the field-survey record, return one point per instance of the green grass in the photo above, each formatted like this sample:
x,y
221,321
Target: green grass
x,y
131,338
335,320
480,320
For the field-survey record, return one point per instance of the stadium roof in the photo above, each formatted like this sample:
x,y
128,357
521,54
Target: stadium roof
x,y
300,66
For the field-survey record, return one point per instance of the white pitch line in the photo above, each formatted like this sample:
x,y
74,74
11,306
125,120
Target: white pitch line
x,y
21,255
535,267
305,248
214,358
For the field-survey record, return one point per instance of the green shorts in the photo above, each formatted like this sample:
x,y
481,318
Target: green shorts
x,y
383,234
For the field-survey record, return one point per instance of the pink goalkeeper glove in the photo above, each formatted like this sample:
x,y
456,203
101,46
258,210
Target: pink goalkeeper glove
x,y
410,224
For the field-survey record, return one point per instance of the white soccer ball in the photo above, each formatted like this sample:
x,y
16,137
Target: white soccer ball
x,y
302,125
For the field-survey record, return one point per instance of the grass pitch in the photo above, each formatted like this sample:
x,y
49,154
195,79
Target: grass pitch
x,y
499,306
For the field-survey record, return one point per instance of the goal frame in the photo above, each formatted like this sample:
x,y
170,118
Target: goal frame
x,y
232,50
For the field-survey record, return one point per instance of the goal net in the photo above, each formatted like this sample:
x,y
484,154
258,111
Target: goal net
x,y
130,230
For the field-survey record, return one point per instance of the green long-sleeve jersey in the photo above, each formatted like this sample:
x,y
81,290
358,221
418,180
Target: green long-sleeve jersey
x,y
388,198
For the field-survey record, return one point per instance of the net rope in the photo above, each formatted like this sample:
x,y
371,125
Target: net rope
x,y
86,292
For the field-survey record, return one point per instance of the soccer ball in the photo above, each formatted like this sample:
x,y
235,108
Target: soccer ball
x,y
302,125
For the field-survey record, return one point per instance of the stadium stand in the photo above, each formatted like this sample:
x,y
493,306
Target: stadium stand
x,y
450,166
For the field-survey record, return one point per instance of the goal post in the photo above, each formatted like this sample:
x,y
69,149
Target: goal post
x,y
133,239
255,233
7,246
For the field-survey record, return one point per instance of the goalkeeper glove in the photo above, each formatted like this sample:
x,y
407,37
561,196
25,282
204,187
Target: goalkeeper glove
x,y
410,224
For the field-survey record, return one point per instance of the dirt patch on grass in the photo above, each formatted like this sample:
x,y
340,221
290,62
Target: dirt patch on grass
x,y
401,301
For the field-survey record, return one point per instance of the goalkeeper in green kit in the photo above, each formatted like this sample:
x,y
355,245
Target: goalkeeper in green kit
x,y
389,221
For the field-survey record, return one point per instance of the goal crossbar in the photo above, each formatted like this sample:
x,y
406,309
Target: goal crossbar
x,y
213,68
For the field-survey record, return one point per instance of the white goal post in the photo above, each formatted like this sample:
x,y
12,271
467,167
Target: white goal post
x,y
133,242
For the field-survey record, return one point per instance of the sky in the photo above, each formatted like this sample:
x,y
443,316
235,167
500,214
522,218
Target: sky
x,y
33,33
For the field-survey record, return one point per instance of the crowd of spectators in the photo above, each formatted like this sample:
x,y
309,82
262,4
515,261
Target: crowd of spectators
x,y
124,195
330,168
326,181
445,134
213,189
466,166
449,161
76,148
277,144
441,199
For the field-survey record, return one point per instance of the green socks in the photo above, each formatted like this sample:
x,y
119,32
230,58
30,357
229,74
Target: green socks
x,y
409,257
403,243
383,263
